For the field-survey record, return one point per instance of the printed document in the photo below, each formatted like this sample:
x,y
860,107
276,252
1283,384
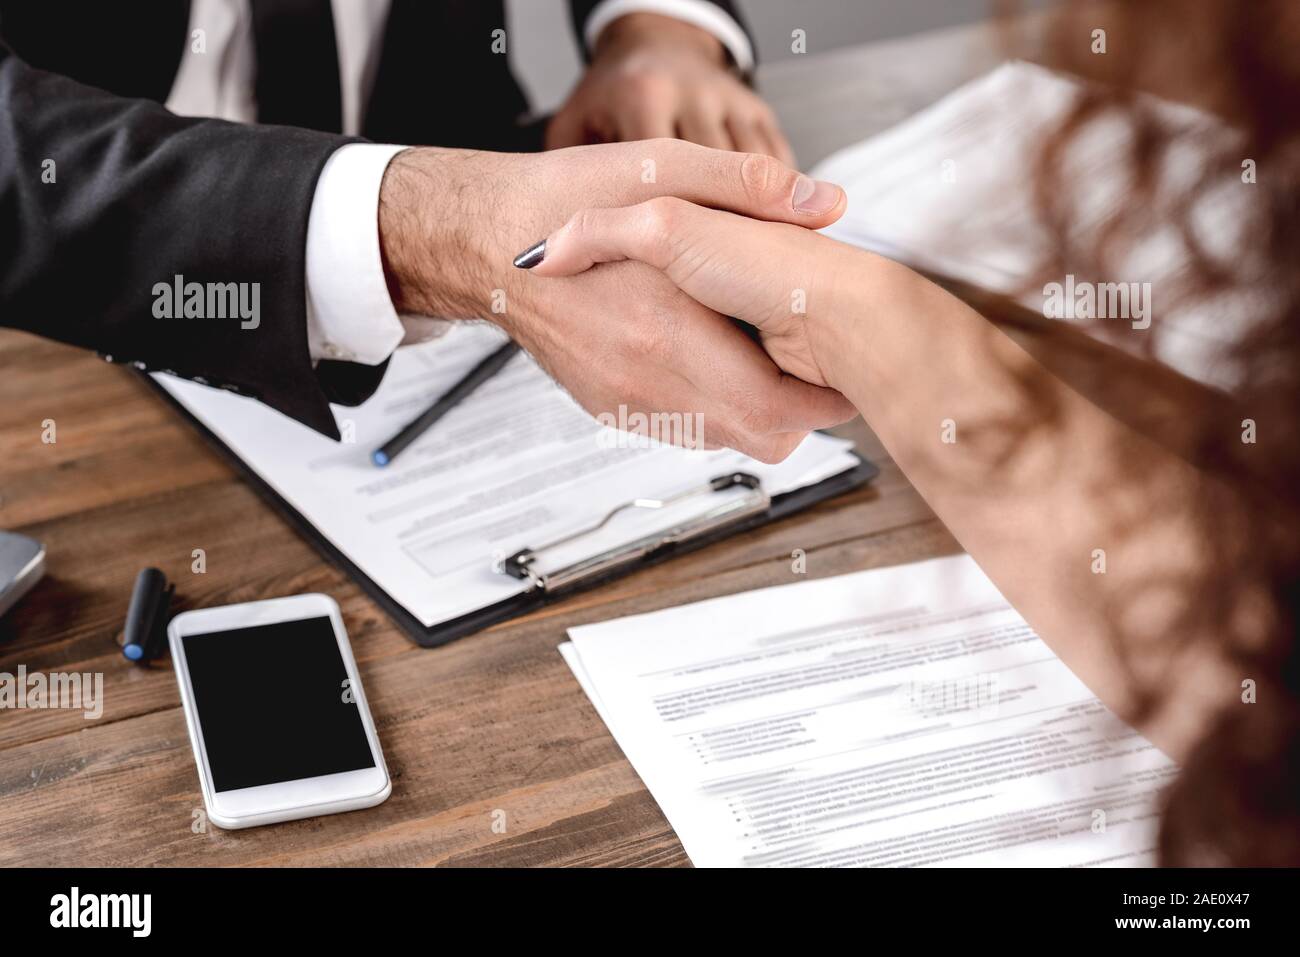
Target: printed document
x,y
516,465
903,716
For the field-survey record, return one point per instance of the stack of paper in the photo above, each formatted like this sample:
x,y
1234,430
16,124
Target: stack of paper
x,y
899,717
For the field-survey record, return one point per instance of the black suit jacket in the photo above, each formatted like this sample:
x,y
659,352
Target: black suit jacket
x,y
139,195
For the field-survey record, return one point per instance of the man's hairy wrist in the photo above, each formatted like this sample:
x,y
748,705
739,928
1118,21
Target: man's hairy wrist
x,y
427,218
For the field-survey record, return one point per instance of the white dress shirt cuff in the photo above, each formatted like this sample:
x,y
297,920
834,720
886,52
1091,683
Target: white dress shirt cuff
x,y
700,13
350,315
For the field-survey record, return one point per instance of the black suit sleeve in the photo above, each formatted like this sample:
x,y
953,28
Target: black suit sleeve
x,y
582,10
102,198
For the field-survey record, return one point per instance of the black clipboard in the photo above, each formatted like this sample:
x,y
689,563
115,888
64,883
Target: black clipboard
x,y
776,507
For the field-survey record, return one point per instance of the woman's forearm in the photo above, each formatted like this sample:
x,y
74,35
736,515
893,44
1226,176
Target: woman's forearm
x,y
1089,529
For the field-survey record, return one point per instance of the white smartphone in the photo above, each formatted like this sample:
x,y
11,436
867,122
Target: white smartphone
x,y
276,713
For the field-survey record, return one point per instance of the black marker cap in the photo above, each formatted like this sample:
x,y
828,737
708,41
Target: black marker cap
x,y
146,618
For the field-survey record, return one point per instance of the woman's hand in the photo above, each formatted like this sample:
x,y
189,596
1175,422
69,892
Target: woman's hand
x,y
777,277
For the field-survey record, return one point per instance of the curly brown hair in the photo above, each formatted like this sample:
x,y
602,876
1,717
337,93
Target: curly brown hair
x,y
1237,800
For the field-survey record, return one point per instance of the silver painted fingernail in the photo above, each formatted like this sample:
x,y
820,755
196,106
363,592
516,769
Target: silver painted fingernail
x,y
531,256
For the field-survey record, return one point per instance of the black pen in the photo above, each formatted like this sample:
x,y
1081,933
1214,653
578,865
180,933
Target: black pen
x,y
448,401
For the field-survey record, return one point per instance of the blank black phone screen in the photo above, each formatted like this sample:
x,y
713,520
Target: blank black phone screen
x,y
274,704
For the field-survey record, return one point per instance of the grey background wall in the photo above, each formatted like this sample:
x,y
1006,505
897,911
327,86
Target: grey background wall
x,y
546,58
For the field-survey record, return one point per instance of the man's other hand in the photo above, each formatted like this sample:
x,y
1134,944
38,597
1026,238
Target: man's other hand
x,y
653,76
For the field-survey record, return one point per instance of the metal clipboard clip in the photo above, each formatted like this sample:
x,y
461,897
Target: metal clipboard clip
x,y
522,564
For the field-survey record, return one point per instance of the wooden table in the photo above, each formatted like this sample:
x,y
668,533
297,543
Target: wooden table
x,y
494,722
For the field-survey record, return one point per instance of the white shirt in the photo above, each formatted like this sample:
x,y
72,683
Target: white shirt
x,y
350,315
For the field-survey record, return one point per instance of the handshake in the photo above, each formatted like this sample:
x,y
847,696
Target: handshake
x,y
634,257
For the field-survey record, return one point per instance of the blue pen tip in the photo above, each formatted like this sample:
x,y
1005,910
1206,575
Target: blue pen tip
x,y
379,458
133,652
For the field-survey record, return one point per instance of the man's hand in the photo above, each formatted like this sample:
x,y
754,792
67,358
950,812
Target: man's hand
x,y
451,223
785,281
653,76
